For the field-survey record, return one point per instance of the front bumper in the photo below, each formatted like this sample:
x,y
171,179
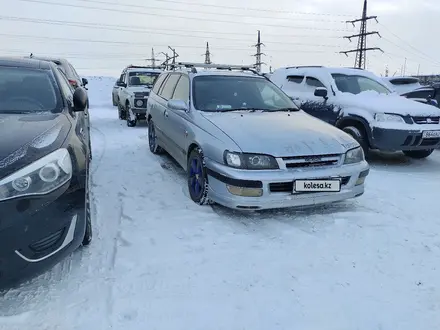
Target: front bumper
x,y
36,233
411,138
277,186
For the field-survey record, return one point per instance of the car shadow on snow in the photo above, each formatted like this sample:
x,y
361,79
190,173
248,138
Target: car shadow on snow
x,y
398,162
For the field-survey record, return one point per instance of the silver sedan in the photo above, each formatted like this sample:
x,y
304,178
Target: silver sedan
x,y
245,145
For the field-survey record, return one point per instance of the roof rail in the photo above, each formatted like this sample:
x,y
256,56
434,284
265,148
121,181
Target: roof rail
x,y
144,67
230,67
354,68
304,66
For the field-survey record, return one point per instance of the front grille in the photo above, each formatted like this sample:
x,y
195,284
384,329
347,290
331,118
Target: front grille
x,y
141,95
426,120
311,161
47,242
283,187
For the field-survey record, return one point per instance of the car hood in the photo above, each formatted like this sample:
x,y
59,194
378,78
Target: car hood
x,y
281,134
387,103
138,89
25,138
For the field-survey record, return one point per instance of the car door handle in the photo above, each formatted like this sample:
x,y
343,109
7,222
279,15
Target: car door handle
x,y
165,113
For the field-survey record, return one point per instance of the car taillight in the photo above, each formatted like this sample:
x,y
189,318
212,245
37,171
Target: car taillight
x,y
73,83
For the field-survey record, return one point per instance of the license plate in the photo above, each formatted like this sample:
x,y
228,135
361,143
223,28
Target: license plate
x,y
431,134
317,186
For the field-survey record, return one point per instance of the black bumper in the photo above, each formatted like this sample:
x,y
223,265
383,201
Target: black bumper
x,y
36,233
396,140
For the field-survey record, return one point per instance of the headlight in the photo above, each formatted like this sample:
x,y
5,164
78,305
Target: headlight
x,y
250,161
387,117
39,178
353,156
139,103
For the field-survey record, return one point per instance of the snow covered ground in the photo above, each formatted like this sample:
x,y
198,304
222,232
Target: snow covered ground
x,y
159,261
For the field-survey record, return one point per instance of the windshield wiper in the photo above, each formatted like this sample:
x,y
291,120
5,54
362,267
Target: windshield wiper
x,y
282,109
241,109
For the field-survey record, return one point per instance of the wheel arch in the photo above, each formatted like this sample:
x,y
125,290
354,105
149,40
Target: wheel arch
x,y
355,121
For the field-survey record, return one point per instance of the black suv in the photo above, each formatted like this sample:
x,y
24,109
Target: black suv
x,y
428,95
44,168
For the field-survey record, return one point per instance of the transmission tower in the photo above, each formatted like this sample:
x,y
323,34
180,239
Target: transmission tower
x,y
361,50
207,55
153,58
258,45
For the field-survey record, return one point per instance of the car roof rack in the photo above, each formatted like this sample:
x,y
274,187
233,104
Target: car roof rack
x,y
131,66
194,66
304,66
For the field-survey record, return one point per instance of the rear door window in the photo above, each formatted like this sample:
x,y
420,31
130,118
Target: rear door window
x,y
170,85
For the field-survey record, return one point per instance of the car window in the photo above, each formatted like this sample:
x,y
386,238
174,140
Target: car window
x,y
170,84
65,86
28,90
142,78
423,94
314,83
355,84
218,93
122,77
182,89
158,83
295,79
74,71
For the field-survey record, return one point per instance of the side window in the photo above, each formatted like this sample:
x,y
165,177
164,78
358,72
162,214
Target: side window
x,y
169,86
425,94
182,89
66,88
74,71
122,77
295,79
314,83
158,83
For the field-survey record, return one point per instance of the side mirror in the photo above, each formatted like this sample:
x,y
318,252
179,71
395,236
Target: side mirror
x,y
80,100
85,81
121,84
321,92
177,105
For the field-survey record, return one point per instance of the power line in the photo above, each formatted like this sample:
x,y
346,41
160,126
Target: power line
x,y
136,28
238,8
165,15
203,12
143,44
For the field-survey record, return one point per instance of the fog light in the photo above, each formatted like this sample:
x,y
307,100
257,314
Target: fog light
x,y
360,181
22,184
245,192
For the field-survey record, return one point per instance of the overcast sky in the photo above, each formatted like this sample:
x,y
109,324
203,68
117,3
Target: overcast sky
x,y
100,37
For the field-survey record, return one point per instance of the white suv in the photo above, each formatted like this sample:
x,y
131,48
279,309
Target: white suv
x,y
134,86
359,103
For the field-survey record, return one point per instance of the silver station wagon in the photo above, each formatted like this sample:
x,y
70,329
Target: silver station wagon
x,y
245,145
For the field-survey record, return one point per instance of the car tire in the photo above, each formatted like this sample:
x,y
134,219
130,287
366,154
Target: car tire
x,y
130,123
359,136
197,177
88,235
418,154
121,112
152,139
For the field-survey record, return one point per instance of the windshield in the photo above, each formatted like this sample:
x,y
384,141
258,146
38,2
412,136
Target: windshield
x,y
358,84
142,78
223,93
27,90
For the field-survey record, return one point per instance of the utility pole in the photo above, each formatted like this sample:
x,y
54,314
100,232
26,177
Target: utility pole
x,y
258,45
404,67
207,55
418,70
153,58
175,55
386,71
361,50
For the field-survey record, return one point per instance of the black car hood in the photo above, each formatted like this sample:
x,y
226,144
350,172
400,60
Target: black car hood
x,y
24,138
